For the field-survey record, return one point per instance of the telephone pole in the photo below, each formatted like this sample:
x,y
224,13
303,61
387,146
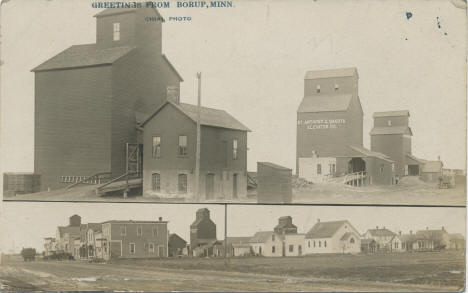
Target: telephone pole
x,y
197,155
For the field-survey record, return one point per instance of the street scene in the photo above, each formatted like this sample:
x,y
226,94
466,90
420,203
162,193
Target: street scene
x,y
287,248
117,112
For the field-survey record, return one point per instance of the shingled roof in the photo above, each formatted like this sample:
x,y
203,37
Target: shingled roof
x,y
325,103
381,232
208,116
338,72
391,130
324,229
83,56
262,236
368,153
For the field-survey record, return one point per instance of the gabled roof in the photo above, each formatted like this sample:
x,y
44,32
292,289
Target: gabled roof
x,y
325,229
367,241
391,130
380,232
208,116
238,240
417,160
431,234
325,103
338,72
83,56
169,64
368,153
432,166
408,238
262,236
346,236
275,166
401,113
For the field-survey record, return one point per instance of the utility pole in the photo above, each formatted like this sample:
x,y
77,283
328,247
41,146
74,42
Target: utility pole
x,y
197,155
225,236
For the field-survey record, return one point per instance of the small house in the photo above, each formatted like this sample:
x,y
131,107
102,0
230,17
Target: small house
x,y
177,246
332,237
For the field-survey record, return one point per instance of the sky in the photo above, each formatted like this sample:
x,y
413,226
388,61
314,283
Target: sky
x,y
28,229
253,57
32,222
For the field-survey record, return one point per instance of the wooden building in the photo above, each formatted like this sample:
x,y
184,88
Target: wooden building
x,y
88,97
202,230
177,245
274,183
134,239
330,132
332,237
382,236
170,141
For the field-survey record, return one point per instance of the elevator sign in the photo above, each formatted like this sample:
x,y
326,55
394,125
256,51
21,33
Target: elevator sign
x,y
313,124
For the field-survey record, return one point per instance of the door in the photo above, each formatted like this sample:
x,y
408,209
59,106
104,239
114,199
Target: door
x,y
161,251
234,186
209,186
115,250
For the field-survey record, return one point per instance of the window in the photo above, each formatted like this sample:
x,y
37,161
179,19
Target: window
x,y
351,240
182,145
320,243
273,249
156,181
332,168
291,248
156,146
396,245
116,31
325,243
317,89
139,231
182,183
381,169
123,230
319,169
389,122
155,231
314,243
336,86
151,247
273,237
132,248
308,244
234,149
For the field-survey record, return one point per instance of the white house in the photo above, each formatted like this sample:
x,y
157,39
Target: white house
x,y
332,237
267,243
294,244
382,236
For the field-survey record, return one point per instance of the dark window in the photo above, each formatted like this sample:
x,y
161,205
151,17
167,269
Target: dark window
x,y
309,244
273,249
291,248
156,181
132,248
381,169
156,146
155,231
139,231
320,244
351,240
234,149
325,243
319,169
182,145
123,230
317,89
182,183
336,86
314,243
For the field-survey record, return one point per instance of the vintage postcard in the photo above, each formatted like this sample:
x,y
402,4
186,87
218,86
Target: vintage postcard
x,y
268,101
170,247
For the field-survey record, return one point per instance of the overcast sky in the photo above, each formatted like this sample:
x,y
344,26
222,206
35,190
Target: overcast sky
x,y
32,222
254,63
26,224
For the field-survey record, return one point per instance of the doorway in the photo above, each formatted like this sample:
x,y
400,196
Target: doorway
x,y
209,186
234,186
356,165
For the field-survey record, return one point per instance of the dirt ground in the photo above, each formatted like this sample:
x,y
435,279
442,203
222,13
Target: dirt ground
x,y
414,192
435,272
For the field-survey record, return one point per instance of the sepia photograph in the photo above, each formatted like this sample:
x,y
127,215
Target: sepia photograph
x,y
170,247
155,102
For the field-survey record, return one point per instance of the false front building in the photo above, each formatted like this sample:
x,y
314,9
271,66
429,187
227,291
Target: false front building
x,y
88,97
169,152
330,131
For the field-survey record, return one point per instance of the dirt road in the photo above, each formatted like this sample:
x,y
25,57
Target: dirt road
x,y
76,275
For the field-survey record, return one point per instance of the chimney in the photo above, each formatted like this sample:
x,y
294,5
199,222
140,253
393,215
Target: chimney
x,y
160,219
173,94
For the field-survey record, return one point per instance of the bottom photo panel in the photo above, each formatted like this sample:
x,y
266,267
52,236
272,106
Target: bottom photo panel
x,y
180,247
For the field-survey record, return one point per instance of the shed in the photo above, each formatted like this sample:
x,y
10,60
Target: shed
x,y
274,184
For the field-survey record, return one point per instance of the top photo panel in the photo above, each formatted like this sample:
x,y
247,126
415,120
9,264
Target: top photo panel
x,y
295,102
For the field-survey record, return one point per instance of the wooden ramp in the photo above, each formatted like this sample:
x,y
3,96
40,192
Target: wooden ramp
x,y
121,185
